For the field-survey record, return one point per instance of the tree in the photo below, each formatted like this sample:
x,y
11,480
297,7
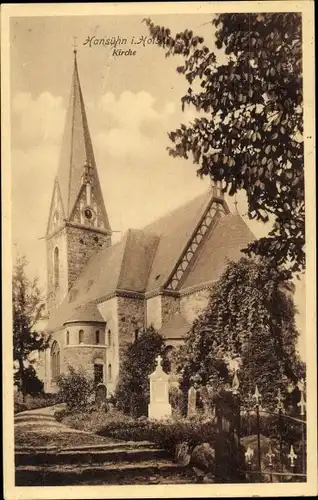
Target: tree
x,y
139,360
28,308
249,129
249,323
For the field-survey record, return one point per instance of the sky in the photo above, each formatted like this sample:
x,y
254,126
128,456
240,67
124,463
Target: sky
x,y
131,104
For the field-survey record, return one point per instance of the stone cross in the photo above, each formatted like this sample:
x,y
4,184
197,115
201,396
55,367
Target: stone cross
x,y
159,360
192,400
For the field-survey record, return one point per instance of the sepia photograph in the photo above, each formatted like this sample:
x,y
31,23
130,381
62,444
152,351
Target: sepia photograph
x,y
158,191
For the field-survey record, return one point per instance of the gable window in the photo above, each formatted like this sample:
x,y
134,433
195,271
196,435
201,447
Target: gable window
x,y
81,336
67,337
55,361
56,265
97,337
109,372
109,337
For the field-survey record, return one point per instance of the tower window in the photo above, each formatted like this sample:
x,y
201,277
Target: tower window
x,y
56,265
81,336
97,337
98,373
67,337
109,372
109,340
55,361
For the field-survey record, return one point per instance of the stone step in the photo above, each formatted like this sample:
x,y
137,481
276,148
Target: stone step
x,y
33,417
91,448
147,472
89,457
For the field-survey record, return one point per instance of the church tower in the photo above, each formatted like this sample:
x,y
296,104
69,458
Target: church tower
x,y
78,225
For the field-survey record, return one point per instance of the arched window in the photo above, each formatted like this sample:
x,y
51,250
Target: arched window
x,y
55,361
98,371
81,337
56,267
67,337
109,372
97,337
109,341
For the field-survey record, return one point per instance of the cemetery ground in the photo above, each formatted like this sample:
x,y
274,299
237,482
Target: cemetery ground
x,y
56,447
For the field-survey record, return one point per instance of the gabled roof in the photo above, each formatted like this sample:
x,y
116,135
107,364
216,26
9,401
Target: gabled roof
x,y
86,313
76,151
174,230
223,243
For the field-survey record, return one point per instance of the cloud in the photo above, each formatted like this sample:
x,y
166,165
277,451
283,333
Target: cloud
x,y
129,124
38,120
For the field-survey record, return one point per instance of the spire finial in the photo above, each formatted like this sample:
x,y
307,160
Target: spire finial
x,y
75,45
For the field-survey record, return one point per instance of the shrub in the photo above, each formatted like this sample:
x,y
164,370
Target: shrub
x,y
32,403
132,392
75,387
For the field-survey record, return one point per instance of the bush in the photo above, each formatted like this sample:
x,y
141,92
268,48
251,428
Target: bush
x,y
32,403
76,387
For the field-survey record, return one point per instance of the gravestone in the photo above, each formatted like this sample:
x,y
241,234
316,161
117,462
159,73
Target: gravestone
x,y
159,406
100,395
205,401
192,400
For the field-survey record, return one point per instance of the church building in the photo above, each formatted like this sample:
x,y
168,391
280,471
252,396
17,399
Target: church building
x,y
101,295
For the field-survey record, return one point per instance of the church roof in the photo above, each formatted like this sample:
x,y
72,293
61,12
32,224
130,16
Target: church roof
x,y
145,258
225,242
86,313
76,151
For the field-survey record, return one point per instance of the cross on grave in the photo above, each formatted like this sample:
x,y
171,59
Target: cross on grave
x,y
159,360
270,455
292,456
302,403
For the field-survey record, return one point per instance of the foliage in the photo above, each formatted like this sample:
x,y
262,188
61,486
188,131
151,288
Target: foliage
x,y
249,128
249,321
76,387
33,385
132,391
28,308
33,402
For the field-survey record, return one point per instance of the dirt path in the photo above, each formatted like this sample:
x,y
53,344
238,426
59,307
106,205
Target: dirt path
x,y
37,428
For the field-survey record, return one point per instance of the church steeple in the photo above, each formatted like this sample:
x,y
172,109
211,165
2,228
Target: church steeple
x,y
77,211
76,154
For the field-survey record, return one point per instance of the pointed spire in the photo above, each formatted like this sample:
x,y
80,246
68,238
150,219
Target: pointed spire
x,y
77,152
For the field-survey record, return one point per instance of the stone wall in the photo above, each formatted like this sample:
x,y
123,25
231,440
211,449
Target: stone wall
x,y
170,305
131,317
56,295
81,245
109,311
192,305
154,312
84,356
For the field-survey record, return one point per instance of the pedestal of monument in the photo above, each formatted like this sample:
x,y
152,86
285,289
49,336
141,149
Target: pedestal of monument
x,y
159,406
158,411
